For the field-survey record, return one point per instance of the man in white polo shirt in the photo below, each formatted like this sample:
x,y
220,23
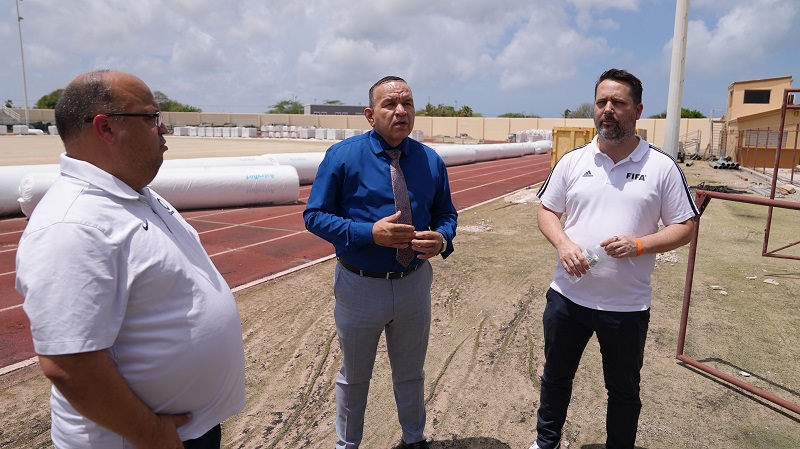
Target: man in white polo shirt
x,y
613,191
137,330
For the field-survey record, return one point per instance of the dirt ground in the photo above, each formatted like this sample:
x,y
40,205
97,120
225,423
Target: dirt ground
x,y
485,352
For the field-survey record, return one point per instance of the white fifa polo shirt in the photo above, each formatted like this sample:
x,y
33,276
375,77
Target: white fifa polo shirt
x,y
599,200
102,266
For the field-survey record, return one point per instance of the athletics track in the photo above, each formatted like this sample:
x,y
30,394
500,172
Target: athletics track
x,y
252,244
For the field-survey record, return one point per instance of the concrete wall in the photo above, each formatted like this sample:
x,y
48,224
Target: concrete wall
x,y
478,128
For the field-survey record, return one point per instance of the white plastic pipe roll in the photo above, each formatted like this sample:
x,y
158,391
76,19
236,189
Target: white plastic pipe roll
x,y
197,187
492,151
542,146
213,187
32,188
10,178
455,154
217,162
306,164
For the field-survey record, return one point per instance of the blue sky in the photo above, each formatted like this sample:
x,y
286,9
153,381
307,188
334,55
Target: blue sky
x,y
530,56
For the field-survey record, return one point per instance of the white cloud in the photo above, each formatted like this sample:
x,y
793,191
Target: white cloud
x,y
243,55
545,51
746,35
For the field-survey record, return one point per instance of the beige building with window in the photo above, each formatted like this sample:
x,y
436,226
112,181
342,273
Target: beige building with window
x,y
753,118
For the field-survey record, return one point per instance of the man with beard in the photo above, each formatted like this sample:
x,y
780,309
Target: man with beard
x,y
613,191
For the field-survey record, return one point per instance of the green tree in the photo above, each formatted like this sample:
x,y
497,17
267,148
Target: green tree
x,y
49,101
9,103
685,113
566,113
465,111
691,113
585,110
517,115
332,102
286,107
165,104
443,110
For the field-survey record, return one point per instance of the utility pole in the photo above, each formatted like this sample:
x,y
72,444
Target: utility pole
x,y
22,56
672,134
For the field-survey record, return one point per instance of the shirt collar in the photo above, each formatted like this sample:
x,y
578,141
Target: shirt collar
x,y
97,177
379,144
636,155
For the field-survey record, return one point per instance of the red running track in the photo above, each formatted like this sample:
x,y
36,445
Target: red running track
x,y
248,244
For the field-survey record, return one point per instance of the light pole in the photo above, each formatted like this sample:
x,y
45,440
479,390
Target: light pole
x,y
675,94
22,56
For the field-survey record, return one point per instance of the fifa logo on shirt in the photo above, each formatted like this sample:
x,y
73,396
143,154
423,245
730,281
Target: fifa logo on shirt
x,y
635,176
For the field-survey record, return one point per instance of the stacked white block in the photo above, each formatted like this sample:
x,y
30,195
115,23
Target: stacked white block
x,y
3,130
352,132
418,135
52,130
249,132
20,129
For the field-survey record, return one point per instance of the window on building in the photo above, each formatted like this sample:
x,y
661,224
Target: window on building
x,y
756,96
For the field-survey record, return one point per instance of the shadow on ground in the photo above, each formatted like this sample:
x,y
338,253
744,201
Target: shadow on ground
x,y
466,443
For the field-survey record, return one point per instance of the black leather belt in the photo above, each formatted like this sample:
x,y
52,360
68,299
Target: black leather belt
x,y
374,274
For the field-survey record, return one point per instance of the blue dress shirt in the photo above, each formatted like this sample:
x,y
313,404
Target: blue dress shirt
x,y
353,190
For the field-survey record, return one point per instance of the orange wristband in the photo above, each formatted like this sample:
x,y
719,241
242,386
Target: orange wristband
x,y
638,247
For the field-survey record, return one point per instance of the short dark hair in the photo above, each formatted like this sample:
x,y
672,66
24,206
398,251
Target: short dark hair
x,y
384,80
85,97
622,76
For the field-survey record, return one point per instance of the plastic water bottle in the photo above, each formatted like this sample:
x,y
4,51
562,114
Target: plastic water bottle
x,y
593,259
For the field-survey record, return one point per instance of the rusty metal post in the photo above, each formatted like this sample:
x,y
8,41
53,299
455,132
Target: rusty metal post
x,y
702,198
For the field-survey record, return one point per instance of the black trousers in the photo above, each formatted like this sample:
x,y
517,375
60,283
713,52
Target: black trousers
x,y
567,329
210,440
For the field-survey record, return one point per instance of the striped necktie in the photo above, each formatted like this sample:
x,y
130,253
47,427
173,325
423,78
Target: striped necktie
x,y
401,201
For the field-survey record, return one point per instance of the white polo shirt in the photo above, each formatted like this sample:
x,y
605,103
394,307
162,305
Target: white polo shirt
x,y
601,199
102,266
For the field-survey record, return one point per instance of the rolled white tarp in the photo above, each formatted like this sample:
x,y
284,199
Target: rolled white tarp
x,y
213,187
542,146
233,161
306,164
10,178
32,188
492,151
197,187
455,154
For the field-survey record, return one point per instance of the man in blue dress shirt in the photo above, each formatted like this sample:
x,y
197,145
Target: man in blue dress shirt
x,y
353,206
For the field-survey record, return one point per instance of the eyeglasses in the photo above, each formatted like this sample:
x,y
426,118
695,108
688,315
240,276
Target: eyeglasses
x,y
156,115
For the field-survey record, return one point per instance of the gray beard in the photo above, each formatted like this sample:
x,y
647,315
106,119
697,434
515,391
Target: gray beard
x,y
615,135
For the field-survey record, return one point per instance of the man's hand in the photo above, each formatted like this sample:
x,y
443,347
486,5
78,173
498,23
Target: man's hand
x,y
92,384
385,232
429,243
165,433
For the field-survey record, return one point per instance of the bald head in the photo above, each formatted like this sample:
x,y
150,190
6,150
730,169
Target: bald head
x,y
108,119
89,94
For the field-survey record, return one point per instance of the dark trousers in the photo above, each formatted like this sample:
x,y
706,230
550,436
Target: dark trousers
x,y
210,440
567,329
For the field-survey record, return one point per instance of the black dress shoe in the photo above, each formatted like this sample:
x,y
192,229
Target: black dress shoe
x,y
418,445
